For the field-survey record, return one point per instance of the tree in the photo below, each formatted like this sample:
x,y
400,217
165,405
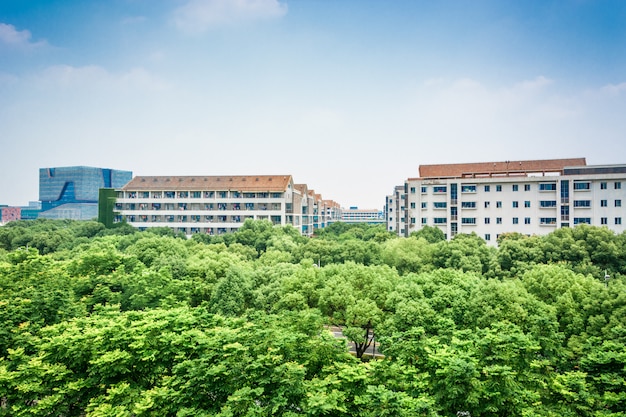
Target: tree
x,y
430,234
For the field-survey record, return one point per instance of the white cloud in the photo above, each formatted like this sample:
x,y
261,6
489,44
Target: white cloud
x,y
536,84
472,120
95,77
21,39
614,89
199,15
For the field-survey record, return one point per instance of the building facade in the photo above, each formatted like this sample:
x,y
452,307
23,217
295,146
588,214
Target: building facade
x,y
530,197
357,215
9,214
216,205
72,192
395,210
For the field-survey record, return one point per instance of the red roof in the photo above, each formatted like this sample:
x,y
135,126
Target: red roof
x,y
502,168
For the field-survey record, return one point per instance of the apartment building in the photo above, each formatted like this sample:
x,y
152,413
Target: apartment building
x,y
395,210
531,197
216,205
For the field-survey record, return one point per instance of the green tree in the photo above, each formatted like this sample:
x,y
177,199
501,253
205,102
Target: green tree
x,y
430,234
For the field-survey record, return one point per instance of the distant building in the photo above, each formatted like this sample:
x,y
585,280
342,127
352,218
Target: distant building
x,y
9,214
72,192
31,212
216,205
532,197
356,215
12,213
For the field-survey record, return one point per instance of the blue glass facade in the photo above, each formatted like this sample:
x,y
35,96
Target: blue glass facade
x,y
72,192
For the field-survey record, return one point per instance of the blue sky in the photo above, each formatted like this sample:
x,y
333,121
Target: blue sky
x,y
348,96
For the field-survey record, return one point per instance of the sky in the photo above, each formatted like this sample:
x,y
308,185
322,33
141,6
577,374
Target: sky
x,y
348,96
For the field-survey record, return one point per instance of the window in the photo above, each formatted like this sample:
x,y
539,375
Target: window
x,y
424,189
424,220
487,220
440,205
412,190
603,185
547,186
424,204
498,188
618,220
515,187
527,204
413,220
618,185
582,186
547,203
526,187
515,220
487,188
498,204
526,220
440,220
515,204
440,189
487,237
487,204
582,220
582,203
547,220
468,188
412,205
604,220
603,203
468,204
618,203
468,220
498,220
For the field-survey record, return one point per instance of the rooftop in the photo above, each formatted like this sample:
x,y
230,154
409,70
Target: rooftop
x,y
270,183
502,168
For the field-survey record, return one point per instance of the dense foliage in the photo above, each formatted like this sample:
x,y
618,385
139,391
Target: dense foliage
x,y
116,322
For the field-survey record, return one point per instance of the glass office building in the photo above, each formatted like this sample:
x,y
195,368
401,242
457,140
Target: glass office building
x,y
72,192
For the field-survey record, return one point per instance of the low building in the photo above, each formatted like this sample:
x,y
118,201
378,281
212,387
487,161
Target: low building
x,y
216,205
368,216
9,214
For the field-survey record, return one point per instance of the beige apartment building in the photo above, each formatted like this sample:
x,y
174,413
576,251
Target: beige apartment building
x,y
216,205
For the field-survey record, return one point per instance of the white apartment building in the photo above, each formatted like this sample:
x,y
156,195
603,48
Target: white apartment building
x,y
530,197
395,210
216,205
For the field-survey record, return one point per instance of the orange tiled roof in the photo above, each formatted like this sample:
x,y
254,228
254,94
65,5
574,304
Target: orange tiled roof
x,y
497,168
302,188
270,183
